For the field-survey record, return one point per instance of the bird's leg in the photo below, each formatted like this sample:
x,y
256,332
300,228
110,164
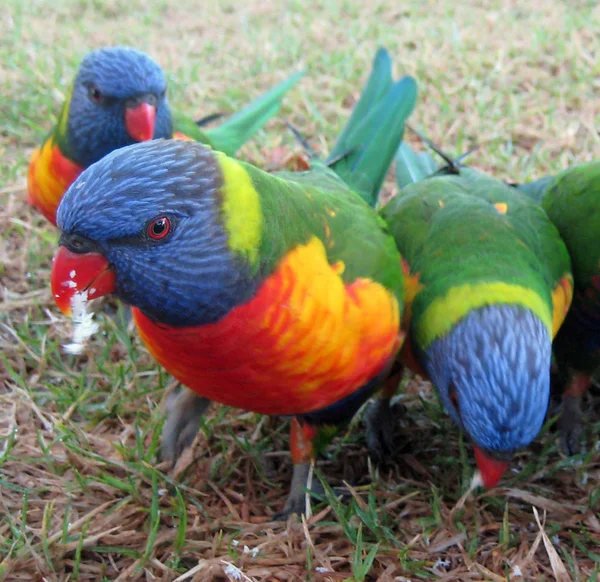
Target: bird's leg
x,y
570,423
302,435
184,411
380,418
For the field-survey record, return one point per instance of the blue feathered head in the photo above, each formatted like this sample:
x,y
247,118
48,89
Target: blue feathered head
x,y
118,98
152,214
492,372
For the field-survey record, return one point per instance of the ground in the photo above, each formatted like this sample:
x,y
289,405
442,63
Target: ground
x,y
81,494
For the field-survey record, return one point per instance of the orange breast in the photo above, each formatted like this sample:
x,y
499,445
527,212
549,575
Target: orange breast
x,y
304,342
50,174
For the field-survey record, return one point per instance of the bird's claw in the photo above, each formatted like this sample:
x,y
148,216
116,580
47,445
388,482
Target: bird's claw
x,y
380,420
570,426
296,500
184,410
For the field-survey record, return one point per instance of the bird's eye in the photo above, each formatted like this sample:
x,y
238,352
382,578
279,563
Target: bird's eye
x,y
95,94
159,228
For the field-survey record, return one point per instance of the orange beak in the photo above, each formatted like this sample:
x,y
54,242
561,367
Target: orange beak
x,y
491,470
74,273
139,121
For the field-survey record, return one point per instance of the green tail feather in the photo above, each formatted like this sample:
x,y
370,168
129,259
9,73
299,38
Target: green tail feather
x,y
378,84
413,167
231,135
374,131
537,189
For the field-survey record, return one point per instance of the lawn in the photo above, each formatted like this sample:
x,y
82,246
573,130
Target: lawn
x,y
81,494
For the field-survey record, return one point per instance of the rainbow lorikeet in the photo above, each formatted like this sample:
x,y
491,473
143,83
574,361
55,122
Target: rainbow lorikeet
x,y
488,285
571,201
276,293
119,98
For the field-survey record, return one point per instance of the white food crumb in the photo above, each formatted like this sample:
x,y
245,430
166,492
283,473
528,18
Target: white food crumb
x,y
516,572
477,481
321,569
84,325
235,543
72,274
441,564
235,573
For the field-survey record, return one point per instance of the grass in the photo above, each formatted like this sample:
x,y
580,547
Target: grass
x,y
81,495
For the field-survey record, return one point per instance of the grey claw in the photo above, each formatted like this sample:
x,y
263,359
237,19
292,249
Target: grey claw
x,y
184,410
296,500
570,426
380,420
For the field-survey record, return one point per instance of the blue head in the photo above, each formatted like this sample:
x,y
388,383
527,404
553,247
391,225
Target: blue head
x,y
154,212
118,98
492,372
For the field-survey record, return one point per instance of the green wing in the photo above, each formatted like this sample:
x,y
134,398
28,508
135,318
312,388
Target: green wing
x,y
413,167
189,128
572,201
469,229
232,134
365,149
537,189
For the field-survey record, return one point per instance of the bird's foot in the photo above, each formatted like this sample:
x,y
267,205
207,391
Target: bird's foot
x,y
570,426
184,410
296,501
380,420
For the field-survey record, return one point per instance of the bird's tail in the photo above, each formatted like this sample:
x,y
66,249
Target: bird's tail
x,y
231,135
366,147
412,166
536,190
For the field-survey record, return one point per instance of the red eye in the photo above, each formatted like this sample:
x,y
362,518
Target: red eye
x,y
95,94
159,228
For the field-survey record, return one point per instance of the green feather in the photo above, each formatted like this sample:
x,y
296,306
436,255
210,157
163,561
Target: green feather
x,y
231,135
298,205
451,233
188,127
571,201
411,166
378,84
368,142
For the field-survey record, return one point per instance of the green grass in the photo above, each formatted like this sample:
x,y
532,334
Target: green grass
x,y
81,494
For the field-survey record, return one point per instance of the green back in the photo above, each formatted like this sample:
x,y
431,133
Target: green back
x,y
451,234
572,201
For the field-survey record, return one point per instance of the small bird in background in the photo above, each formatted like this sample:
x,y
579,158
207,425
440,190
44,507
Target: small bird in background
x,y
488,286
571,200
276,293
118,98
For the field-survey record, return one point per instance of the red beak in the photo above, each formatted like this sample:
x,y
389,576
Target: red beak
x,y
74,273
491,470
139,121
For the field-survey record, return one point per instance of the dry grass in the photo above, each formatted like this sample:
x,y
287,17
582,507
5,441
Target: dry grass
x,y
80,493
